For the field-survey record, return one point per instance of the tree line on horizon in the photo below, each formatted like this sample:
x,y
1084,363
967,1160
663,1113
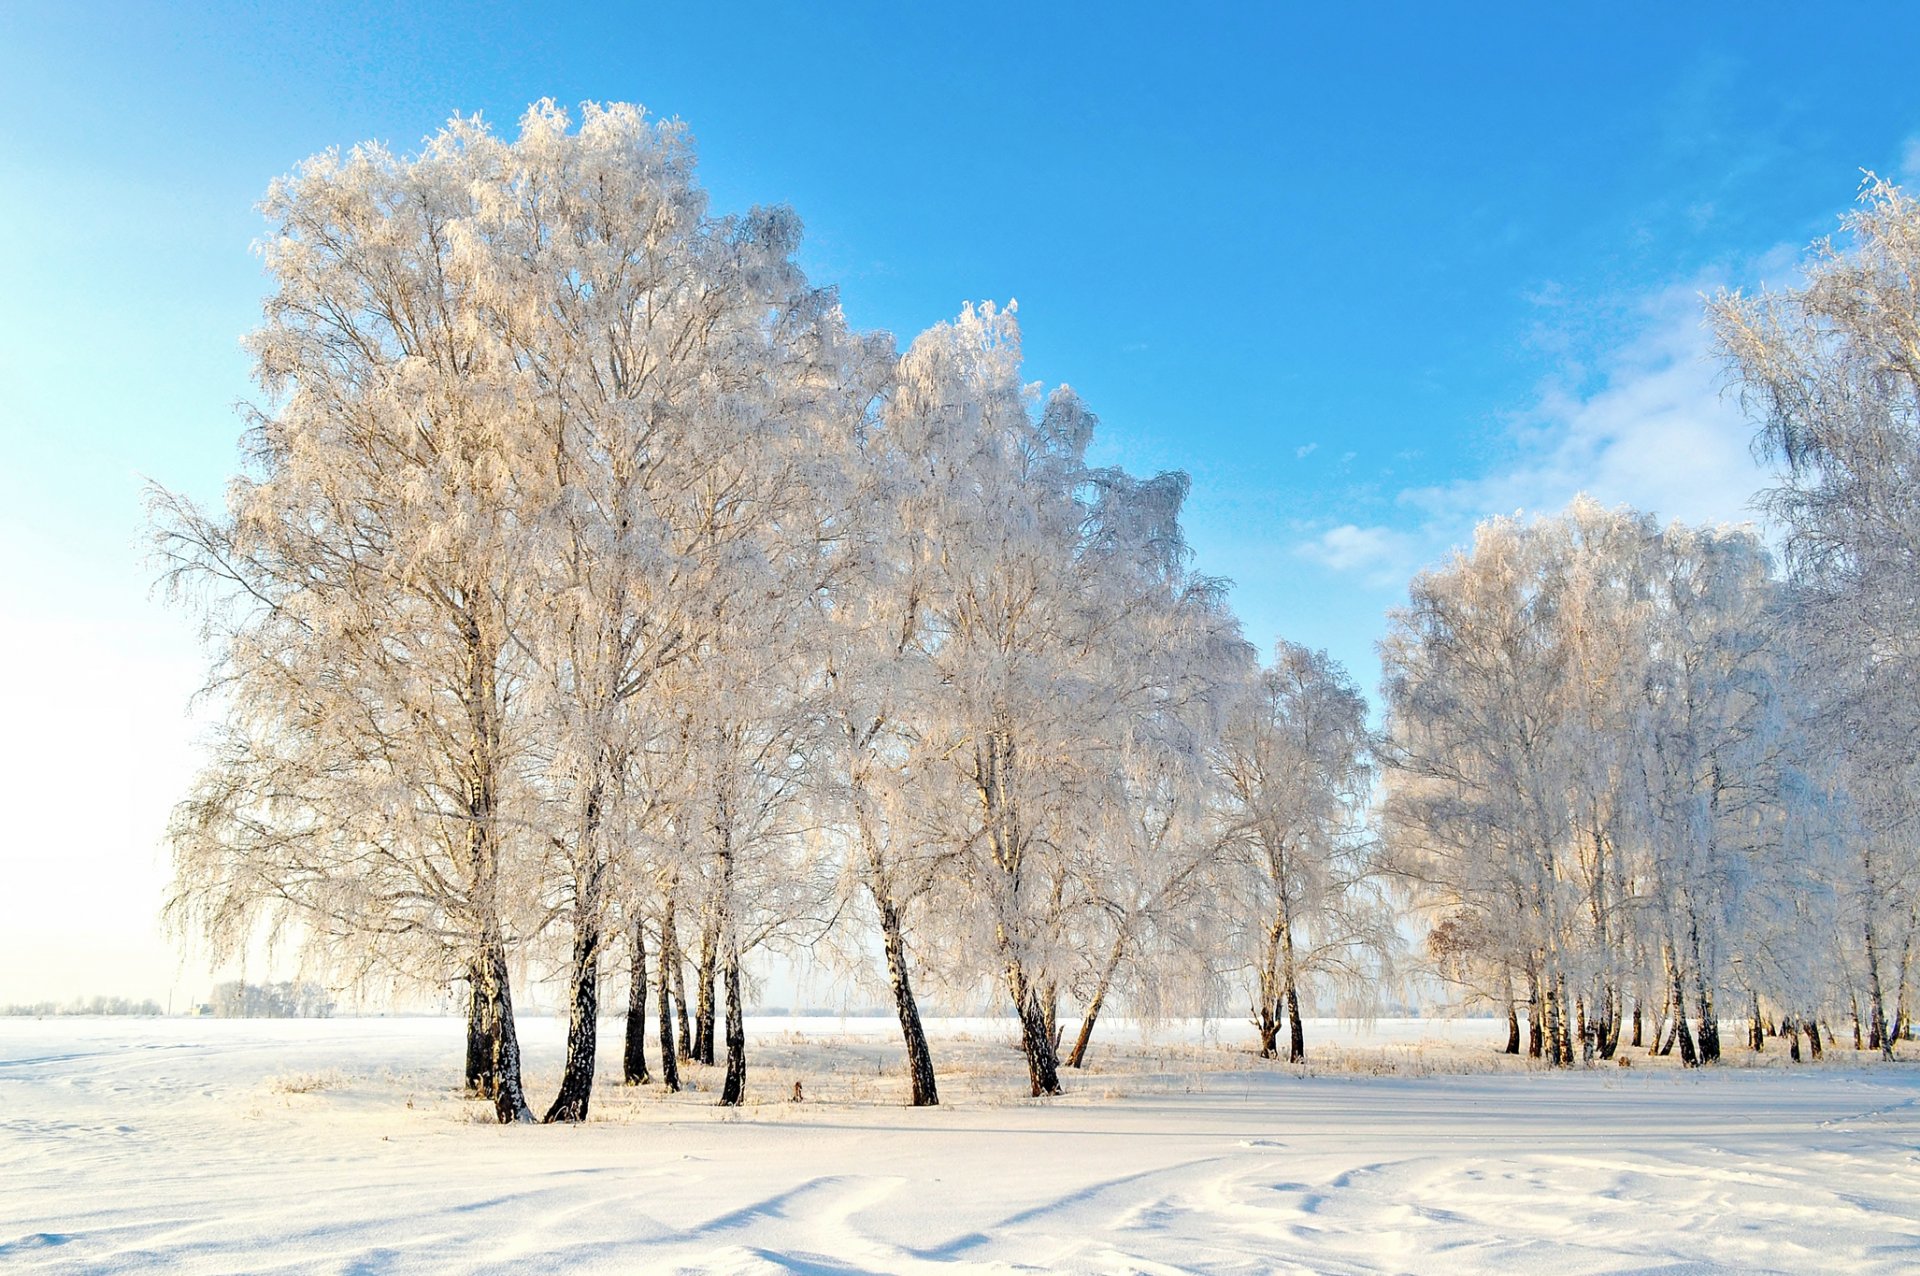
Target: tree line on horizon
x,y
593,595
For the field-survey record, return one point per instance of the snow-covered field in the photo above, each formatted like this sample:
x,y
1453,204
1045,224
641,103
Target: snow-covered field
x,y
341,1145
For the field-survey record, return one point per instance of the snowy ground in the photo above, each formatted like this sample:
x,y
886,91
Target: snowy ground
x,y
199,1145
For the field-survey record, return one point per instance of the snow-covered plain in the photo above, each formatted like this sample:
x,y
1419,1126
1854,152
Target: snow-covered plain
x,y
342,1145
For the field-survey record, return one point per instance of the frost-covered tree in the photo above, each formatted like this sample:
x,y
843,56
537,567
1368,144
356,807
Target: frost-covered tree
x,y
1307,890
1598,776
1001,747
690,378
363,589
1475,752
536,412
1830,371
1173,660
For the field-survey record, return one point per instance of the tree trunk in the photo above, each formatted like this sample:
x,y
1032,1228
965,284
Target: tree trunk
x,y
1533,1013
1902,1024
1756,1030
1266,1022
480,699
1080,1043
1813,1039
703,995
1289,978
1267,1015
509,1098
1702,995
1879,1037
1610,1026
479,1039
1560,1023
669,1059
1709,1024
583,1022
1513,1030
1636,1021
925,1092
675,960
734,1091
1043,1066
1792,1029
635,1062
1297,1041
1688,1056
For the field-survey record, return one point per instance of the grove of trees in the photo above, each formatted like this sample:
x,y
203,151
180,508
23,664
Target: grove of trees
x,y
1644,781
595,598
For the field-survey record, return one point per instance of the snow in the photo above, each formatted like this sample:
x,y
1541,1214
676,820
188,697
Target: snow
x,y
342,1146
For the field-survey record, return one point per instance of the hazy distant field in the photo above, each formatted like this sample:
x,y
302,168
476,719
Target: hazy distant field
x,y
342,1145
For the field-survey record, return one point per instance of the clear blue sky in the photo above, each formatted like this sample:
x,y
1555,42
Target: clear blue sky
x,y
1367,272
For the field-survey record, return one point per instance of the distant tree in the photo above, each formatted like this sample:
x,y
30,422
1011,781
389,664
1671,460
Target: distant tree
x,y
236,999
1306,886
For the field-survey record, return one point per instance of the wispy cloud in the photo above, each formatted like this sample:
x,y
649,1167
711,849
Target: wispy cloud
x,y
1305,450
1644,423
1380,556
1656,433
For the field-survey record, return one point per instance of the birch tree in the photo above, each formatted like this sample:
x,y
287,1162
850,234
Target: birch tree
x,y
363,592
1295,764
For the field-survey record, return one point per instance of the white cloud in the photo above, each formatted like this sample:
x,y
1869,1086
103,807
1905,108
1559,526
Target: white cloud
x,y
1650,428
1380,556
1910,159
1657,434
1304,451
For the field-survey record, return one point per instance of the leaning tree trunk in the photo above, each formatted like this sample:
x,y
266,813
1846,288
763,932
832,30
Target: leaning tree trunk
x,y
1043,1066
734,1091
480,1077
583,1023
635,1061
669,1061
1080,1043
925,1092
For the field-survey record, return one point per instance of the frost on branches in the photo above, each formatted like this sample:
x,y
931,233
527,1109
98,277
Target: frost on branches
x,y
595,597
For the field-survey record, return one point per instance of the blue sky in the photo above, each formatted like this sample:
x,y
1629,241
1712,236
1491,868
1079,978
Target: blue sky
x,y
1368,273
